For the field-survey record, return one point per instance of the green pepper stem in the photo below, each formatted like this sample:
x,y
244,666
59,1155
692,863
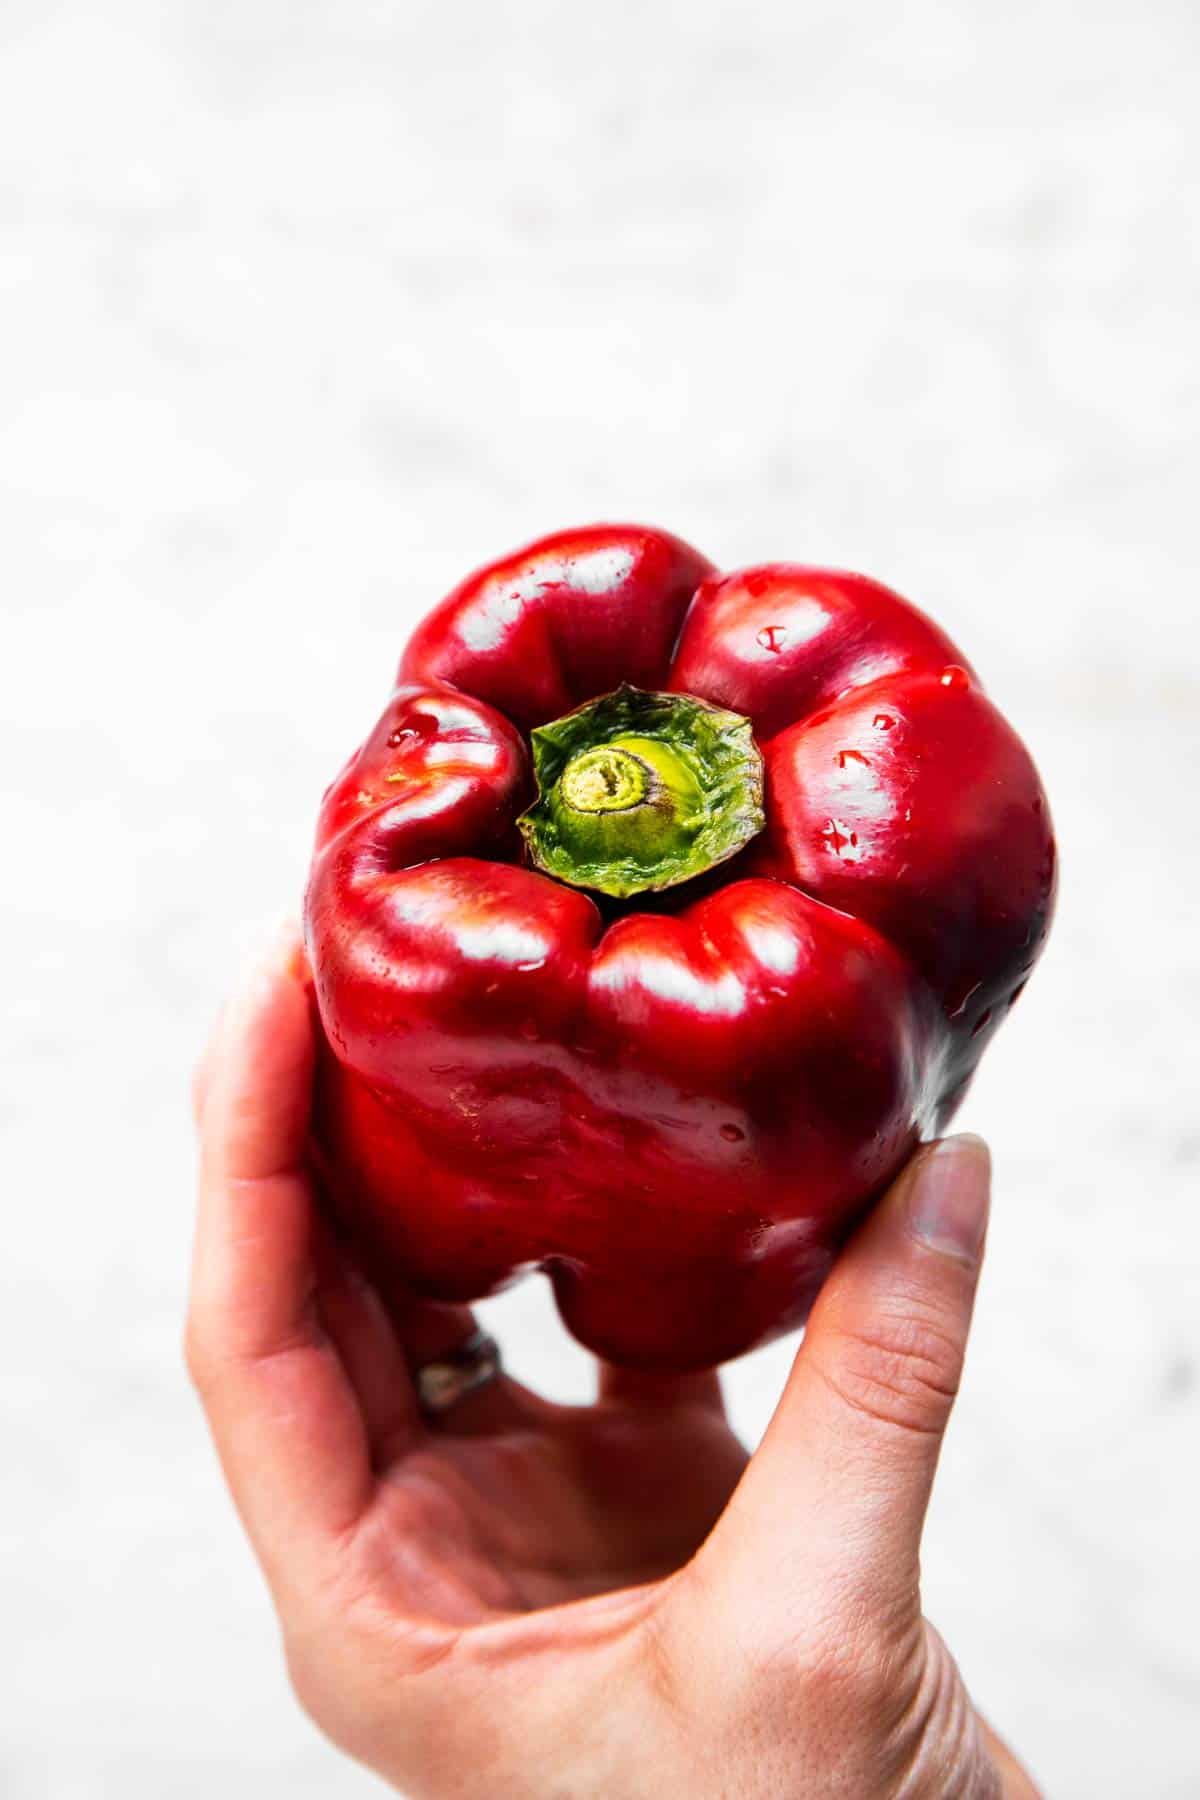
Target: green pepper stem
x,y
640,791
604,780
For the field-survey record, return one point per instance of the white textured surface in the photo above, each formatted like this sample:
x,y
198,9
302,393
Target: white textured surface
x,y
308,309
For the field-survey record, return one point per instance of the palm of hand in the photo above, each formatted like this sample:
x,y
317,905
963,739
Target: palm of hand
x,y
542,1505
514,1548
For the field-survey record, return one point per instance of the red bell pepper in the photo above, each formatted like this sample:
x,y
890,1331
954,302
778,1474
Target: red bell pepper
x,y
657,920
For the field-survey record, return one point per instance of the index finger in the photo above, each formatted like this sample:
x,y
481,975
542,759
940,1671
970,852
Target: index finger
x,y
283,1412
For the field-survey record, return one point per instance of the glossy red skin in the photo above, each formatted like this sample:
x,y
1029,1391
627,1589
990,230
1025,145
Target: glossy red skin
x,y
679,1112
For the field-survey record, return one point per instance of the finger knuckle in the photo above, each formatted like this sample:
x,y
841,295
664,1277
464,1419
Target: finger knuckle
x,y
901,1370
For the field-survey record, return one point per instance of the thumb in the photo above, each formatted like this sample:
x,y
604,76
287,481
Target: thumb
x,y
842,1479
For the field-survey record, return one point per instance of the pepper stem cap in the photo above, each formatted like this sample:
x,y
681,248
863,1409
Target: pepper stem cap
x,y
640,791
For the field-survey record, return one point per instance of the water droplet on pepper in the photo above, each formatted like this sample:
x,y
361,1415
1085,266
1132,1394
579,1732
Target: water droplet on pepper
x,y
836,836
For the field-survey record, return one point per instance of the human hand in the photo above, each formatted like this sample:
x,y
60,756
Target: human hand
x,y
523,1599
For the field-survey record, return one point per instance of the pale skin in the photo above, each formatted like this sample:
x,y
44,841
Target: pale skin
x,y
603,1602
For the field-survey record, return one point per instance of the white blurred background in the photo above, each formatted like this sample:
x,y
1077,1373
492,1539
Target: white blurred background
x,y
309,308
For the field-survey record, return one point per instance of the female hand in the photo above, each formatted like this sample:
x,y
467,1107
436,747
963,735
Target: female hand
x,y
521,1599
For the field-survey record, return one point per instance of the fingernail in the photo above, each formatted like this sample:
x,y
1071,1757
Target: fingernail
x,y
948,1200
